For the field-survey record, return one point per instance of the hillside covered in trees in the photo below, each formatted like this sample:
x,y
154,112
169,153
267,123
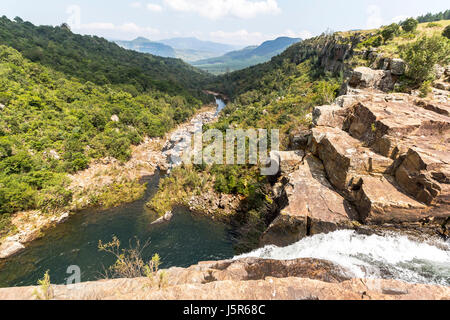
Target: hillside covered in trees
x,y
95,59
67,99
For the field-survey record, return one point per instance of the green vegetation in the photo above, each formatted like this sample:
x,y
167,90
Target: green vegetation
x,y
119,193
429,17
281,98
389,32
45,291
51,125
425,89
446,32
422,55
129,263
99,61
409,25
177,188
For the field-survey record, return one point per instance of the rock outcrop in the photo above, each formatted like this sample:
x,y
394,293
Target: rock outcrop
x,y
387,155
247,279
371,158
311,205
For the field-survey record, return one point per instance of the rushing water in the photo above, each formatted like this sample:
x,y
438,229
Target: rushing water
x,y
391,256
220,105
188,239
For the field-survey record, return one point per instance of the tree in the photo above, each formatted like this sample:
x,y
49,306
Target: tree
x,y
65,26
410,25
446,32
423,54
390,32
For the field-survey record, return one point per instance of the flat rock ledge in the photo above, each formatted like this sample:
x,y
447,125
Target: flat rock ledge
x,y
370,158
245,279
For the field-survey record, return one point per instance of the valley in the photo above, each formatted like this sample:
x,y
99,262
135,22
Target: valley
x,y
91,141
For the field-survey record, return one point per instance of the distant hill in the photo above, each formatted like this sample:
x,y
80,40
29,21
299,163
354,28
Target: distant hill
x,y
249,56
97,60
187,49
146,46
198,45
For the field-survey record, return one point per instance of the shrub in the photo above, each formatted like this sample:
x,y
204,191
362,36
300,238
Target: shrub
x,y
120,192
45,291
6,226
446,32
130,262
423,54
15,195
5,147
410,25
425,89
433,25
390,32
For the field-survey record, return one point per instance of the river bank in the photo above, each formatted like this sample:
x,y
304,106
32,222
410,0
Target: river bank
x,y
106,183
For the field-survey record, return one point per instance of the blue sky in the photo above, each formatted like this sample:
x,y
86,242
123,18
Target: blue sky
x,y
240,22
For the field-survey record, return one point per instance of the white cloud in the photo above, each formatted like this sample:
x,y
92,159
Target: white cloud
x,y
215,9
304,34
154,7
374,18
235,37
136,5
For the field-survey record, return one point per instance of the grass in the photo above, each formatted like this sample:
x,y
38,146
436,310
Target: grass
x,y
118,193
391,48
7,228
178,188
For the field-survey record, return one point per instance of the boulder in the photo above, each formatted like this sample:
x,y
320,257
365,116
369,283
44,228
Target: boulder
x,y
398,67
344,156
288,160
115,118
423,176
299,139
367,78
10,248
379,200
312,207
328,115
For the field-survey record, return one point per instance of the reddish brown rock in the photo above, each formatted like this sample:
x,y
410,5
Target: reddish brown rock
x,y
345,157
364,77
389,157
312,206
248,279
378,199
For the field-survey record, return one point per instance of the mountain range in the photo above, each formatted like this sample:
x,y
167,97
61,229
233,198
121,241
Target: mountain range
x,y
187,49
246,57
216,58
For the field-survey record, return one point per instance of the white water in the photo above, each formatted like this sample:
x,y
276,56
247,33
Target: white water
x,y
389,257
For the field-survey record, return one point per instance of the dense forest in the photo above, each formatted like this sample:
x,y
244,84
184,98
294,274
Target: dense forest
x,y
430,17
95,59
66,99
51,125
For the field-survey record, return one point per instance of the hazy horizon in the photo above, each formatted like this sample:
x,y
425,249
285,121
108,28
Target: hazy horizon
x,y
236,22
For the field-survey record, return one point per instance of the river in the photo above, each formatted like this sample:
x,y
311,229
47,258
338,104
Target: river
x,y
189,238
185,241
